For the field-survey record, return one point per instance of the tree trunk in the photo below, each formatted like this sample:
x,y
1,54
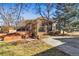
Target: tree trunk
x,y
64,23
63,31
59,26
46,30
37,28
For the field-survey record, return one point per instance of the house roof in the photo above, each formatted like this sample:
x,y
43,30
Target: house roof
x,y
36,21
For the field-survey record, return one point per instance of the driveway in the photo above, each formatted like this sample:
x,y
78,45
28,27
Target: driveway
x,y
67,44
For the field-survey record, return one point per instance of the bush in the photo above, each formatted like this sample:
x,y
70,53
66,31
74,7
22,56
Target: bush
x,y
54,32
6,28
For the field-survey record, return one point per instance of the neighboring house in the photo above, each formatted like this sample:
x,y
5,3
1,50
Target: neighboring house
x,y
39,26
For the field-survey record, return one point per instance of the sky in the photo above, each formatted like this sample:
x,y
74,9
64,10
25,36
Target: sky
x,y
27,14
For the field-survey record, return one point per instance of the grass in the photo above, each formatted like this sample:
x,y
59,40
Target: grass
x,y
27,49
24,49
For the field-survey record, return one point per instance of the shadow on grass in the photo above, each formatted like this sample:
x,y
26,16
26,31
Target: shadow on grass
x,y
52,52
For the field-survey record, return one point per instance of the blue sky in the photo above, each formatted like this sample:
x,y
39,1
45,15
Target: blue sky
x,y
30,15
27,14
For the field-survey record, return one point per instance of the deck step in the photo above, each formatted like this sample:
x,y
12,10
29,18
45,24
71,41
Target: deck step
x,y
53,42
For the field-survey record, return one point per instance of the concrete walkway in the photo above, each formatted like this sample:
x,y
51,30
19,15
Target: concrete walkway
x,y
69,46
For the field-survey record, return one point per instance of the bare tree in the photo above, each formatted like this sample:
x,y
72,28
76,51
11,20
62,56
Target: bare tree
x,y
11,15
46,11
